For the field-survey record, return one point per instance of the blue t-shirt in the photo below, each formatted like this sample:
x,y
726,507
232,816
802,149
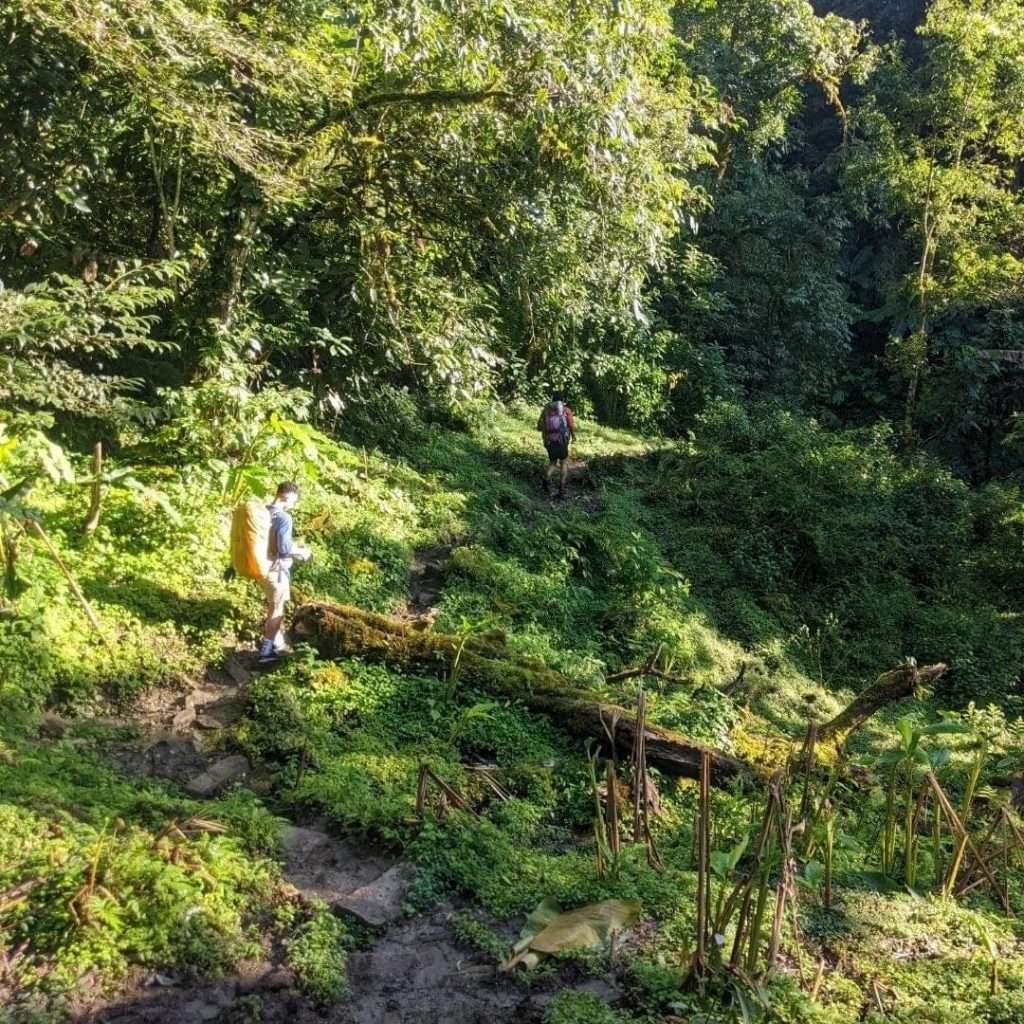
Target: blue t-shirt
x,y
281,540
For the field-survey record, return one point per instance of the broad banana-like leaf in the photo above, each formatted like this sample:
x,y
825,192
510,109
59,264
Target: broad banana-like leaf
x,y
583,928
540,917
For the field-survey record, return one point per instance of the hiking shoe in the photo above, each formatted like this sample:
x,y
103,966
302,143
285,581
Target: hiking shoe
x,y
546,484
267,655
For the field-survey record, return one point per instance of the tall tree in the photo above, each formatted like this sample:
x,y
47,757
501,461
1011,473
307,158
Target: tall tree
x,y
773,236
434,194
937,159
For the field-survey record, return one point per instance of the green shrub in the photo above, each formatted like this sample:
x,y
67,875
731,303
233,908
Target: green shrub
x,y
580,1008
473,932
317,952
833,541
1005,1008
121,882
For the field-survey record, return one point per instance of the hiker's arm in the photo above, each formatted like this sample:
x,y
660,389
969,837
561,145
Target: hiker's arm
x,y
571,423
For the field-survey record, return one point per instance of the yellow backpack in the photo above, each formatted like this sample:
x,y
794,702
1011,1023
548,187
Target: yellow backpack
x,y
250,539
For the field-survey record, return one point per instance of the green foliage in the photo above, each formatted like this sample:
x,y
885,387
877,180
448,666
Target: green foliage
x,y
317,952
230,237
441,212
589,588
147,596
841,540
473,932
768,232
580,1008
1005,1008
55,333
936,151
759,54
235,433
110,882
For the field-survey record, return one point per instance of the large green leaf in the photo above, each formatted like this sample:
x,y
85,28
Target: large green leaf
x,y
906,731
723,862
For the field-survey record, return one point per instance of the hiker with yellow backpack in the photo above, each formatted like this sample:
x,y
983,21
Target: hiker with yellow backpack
x,y
263,549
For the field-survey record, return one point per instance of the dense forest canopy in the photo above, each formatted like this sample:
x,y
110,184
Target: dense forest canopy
x,y
648,203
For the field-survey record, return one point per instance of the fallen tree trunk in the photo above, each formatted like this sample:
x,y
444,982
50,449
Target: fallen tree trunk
x,y
339,631
886,689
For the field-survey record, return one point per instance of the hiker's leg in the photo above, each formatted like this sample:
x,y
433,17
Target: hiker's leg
x,y
548,472
272,627
278,592
564,467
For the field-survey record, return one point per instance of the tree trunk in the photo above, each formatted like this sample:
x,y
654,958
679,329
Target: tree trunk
x,y
483,661
890,687
244,219
9,537
236,255
92,520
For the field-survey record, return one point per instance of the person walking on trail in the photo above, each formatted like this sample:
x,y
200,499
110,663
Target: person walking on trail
x,y
557,428
282,551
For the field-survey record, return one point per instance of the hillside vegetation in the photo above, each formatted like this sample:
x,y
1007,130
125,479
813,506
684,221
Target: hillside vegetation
x,y
773,255
651,553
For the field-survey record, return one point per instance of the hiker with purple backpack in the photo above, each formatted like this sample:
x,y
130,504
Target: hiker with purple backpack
x,y
557,428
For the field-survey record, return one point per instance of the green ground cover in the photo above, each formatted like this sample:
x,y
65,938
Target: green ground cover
x,y
817,558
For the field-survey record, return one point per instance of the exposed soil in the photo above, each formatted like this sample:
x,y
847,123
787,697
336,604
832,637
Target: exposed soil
x,y
179,732
416,972
412,971
426,581
579,489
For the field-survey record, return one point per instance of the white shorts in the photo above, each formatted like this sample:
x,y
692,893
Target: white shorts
x,y
278,590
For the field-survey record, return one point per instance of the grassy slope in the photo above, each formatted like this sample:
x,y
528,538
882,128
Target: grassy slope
x,y
589,587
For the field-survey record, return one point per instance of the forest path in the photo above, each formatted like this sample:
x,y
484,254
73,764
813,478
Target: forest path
x,y
579,490
426,581
405,969
428,569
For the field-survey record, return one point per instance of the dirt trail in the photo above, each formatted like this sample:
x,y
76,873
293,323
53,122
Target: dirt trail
x,y
416,974
411,970
415,970
580,492
426,581
180,731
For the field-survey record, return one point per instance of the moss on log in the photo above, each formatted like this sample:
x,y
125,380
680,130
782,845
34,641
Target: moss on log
x,y
339,631
893,686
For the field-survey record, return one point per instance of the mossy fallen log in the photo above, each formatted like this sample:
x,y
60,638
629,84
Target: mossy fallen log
x,y
339,631
897,685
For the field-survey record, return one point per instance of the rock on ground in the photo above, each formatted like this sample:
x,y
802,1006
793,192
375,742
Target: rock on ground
x,y
219,776
378,903
322,867
174,758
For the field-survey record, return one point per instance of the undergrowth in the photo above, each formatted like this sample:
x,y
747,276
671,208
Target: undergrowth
x,y
817,559
317,953
100,873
